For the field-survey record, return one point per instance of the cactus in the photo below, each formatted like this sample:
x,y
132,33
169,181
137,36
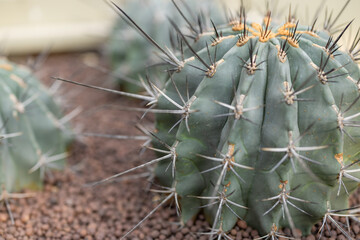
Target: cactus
x,y
131,55
33,139
260,124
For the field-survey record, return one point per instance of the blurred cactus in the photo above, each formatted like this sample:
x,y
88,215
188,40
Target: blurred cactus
x,y
33,132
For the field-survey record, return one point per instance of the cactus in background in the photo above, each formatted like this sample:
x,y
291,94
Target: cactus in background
x,y
262,124
130,54
33,132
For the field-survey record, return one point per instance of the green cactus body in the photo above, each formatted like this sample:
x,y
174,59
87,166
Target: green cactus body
x,y
130,54
33,136
266,127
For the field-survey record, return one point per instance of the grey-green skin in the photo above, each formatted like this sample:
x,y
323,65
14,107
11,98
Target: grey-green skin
x,y
132,55
42,133
270,125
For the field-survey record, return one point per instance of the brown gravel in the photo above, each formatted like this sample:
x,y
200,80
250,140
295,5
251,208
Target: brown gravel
x,y
66,209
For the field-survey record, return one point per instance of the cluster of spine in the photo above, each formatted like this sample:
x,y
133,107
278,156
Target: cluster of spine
x,y
131,55
258,122
32,131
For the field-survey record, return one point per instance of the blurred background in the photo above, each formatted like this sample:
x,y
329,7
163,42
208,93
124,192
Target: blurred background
x,y
30,26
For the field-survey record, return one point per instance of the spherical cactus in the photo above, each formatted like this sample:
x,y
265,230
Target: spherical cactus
x,y
33,134
131,55
261,123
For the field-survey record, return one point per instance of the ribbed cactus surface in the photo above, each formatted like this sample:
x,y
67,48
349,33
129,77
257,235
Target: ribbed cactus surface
x,y
32,133
261,124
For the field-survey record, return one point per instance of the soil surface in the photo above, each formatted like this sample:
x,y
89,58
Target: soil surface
x,y
68,209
